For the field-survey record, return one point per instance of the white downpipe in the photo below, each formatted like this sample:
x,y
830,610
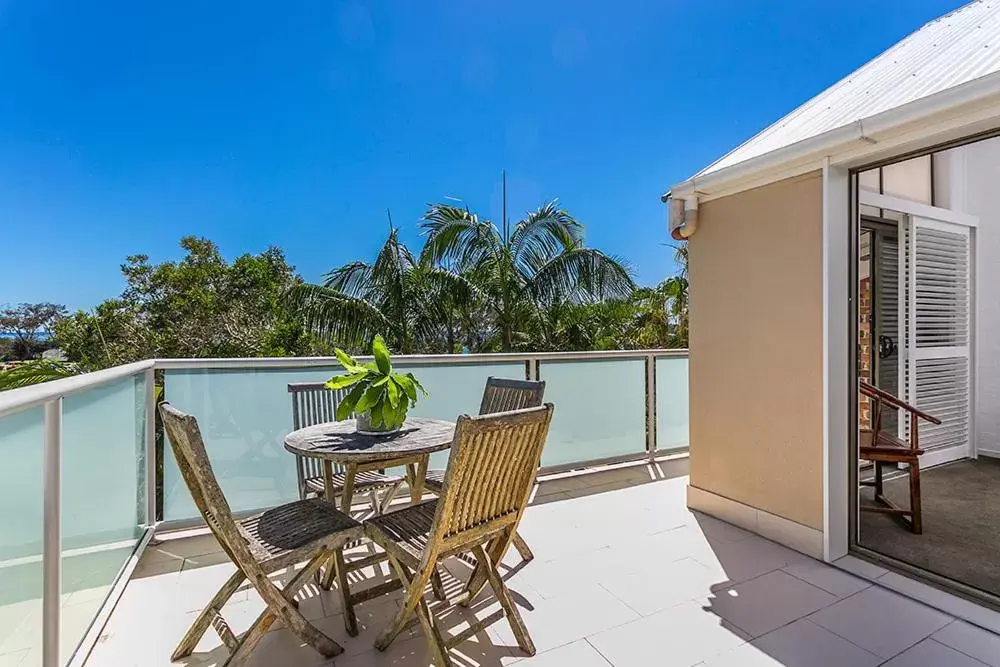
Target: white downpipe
x,y
683,217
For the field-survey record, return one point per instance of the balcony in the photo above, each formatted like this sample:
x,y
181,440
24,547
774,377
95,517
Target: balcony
x,y
624,573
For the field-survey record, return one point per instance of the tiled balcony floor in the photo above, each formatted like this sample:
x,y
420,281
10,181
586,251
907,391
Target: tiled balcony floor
x,y
624,575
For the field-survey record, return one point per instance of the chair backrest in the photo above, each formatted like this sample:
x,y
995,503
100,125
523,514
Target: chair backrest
x,y
313,403
504,395
491,469
192,459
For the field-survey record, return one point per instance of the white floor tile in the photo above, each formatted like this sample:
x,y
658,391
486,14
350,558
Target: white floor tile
x,y
16,659
829,578
801,644
680,637
668,585
768,602
973,641
577,654
880,621
567,618
862,568
930,653
749,558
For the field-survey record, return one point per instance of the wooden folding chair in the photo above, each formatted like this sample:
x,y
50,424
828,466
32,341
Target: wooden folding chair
x,y
309,531
500,395
313,403
493,464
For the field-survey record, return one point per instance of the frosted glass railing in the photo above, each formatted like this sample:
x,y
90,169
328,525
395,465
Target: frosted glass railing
x,y
103,496
671,403
20,533
102,512
600,409
245,414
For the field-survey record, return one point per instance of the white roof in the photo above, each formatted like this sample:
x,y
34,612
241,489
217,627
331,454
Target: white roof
x,y
949,51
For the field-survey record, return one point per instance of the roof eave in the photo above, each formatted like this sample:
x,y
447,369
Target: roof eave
x,y
853,138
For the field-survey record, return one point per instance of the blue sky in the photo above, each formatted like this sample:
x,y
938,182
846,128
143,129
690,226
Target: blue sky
x,y
125,125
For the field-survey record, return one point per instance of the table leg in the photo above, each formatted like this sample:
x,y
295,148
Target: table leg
x,y
346,500
416,473
348,496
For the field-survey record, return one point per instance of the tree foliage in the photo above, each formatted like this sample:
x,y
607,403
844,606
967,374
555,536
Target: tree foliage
x,y
26,329
472,287
395,296
200,306
541,262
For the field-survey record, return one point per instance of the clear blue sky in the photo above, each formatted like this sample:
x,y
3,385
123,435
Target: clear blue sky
x,y
125,125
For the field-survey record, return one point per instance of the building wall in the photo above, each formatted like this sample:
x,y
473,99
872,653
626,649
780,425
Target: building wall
x,y
756,402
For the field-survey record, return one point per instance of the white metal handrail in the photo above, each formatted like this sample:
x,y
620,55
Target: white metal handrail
x,y
51,395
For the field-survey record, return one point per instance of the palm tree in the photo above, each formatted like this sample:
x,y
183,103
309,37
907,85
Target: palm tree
x,y
541,261
676,290
394,296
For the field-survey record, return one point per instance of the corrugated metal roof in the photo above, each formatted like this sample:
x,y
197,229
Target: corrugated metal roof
x,y
949,51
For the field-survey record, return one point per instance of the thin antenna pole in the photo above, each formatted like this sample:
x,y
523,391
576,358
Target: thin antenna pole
x,y
389,215
503,174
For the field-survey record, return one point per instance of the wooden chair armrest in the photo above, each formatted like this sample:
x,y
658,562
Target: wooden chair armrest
x,y
879,395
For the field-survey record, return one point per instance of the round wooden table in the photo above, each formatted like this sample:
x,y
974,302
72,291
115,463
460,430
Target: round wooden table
x,y
339,442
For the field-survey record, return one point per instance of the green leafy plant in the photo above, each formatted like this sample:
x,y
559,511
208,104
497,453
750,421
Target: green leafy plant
x,y
36,371
375,388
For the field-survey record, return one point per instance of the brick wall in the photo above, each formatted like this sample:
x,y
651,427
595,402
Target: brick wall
x,y
865,347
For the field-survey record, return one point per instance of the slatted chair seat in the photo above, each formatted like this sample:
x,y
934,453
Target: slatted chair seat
x,y
499,395
313,403
408,530
308,531
369,480
286,535
434,482
492,467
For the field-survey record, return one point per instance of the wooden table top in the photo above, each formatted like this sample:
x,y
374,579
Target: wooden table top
x,y
340,442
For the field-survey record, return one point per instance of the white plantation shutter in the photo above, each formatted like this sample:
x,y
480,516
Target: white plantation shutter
x,y
935,311
887,302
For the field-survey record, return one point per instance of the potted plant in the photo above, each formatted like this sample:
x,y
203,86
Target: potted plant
x,y
379,397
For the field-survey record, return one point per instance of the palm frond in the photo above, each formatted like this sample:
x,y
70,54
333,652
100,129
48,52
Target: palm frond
x,y
457,236
36,371
582,274
336,317
353,278
542,235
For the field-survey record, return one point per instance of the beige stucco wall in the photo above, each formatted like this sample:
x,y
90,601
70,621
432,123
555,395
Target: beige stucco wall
x,y
756,349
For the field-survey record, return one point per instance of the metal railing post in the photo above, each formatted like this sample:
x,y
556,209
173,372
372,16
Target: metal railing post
x,y
651,405
51,531
150,447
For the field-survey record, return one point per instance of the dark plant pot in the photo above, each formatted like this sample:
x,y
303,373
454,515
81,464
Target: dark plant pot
x,y
365,426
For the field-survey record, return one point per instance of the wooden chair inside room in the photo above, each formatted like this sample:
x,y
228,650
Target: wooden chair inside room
x,y
313,403
492,468
306,531
882,447
500,395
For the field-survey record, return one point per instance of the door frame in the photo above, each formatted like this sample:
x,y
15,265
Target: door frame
x,y
937,213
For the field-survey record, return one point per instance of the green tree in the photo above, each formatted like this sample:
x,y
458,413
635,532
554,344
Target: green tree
x,y
201,306
542,261
411,304
676,290
26,329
